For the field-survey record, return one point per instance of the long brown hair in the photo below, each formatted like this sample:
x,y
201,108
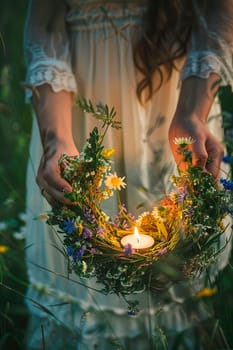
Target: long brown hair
x,y
166,32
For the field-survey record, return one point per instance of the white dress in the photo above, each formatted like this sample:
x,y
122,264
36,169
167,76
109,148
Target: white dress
x,y
94,59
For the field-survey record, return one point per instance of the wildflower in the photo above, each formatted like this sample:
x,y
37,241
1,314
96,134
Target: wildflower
x,y
227,184
128,249
93,251
133,309
79,253
23,217
132,313
122,208
100,232
227,159
182,193
3,249
88,215
87,233
226,210
20,234
69,226
84,267
206,292
79,227
42,217
161,251
70,250
115,182
183,141
108,152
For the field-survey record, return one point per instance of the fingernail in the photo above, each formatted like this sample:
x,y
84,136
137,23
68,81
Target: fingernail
x,y
67,189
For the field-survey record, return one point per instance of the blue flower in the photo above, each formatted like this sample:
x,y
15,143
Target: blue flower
x,y
226,210
78,254
227,159
133,309
132,313
69,226
228,185
70,250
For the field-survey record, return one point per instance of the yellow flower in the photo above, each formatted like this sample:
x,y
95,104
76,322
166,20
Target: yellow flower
x,y
84,267
80,228
108,152
206,292
3,249
114,182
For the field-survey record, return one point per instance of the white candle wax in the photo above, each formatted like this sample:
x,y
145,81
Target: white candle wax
x,y
141,241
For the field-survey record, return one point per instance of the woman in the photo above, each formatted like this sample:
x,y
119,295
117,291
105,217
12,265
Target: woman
x,y
127,54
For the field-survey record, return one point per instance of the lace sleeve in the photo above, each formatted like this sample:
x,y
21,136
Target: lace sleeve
x,y
46,47
211,46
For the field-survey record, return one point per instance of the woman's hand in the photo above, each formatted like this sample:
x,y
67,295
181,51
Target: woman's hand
x,y
48,177
195,101
207,151
54,116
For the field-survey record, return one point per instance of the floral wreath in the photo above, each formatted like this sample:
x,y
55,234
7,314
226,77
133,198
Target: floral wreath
x,y
174,241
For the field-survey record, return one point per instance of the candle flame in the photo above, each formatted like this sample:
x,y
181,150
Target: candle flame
x,y
136,234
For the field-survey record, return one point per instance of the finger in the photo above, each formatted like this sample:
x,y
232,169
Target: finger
x,y
199,154
52,195
56,182
58,196
213,167
215,157
49,198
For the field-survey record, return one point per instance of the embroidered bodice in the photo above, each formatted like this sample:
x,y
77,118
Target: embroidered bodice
x,y
49,54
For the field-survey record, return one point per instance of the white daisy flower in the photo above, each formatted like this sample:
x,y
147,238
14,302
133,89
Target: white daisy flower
x,y
184,140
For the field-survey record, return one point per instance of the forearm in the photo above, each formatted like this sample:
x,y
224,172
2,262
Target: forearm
x,y
196,97
54,114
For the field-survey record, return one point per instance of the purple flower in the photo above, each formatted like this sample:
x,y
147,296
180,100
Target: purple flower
x,y
181,197
87,233
182,192
100,232
128,249
80,253
77,255
88,215
123,208
161,251
69,226
228,185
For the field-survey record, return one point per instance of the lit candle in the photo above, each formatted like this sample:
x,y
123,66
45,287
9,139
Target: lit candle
x,y
138,240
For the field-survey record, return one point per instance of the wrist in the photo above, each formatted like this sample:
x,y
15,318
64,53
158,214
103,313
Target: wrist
x,y
54,137
54,115
197,96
